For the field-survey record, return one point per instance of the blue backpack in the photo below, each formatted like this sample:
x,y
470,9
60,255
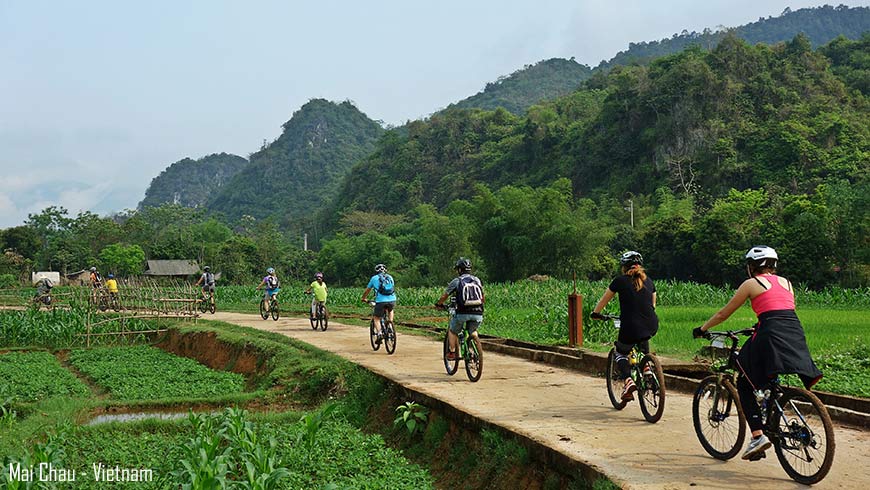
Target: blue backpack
x,y
386,287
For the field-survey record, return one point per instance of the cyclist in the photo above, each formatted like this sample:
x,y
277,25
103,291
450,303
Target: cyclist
x,y
207,280
385,299
43,290
272,285
468,291
320,292
96,283
778,344
637,314
112,286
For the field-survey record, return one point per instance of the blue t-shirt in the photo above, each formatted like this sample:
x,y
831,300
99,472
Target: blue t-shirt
x,y
373,284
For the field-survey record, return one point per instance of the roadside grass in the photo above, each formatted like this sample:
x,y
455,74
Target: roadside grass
x,y
148,373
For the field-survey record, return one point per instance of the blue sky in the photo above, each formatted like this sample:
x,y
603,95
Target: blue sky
x,y
97,97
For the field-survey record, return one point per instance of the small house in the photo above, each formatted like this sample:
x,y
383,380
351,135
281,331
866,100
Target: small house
x,y
177,269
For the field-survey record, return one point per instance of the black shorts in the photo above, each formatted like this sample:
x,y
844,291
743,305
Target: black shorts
x,y
381,308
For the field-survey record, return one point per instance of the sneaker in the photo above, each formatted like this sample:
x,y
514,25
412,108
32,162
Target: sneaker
x,y
756,447
647,371
452,356
628,391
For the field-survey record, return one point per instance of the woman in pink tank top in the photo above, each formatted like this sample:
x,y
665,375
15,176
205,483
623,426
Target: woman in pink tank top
x,y
778,345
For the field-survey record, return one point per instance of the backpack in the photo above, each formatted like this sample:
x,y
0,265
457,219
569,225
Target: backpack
x,y
469,293
209,279
272,282
386,287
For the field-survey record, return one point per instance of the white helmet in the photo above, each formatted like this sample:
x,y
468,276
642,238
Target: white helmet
x,y
762,256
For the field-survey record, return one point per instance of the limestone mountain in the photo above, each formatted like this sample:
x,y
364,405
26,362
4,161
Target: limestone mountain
x,y
191,183
298,172
547,79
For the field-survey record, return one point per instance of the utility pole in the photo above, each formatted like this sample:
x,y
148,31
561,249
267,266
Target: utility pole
x,y
630,210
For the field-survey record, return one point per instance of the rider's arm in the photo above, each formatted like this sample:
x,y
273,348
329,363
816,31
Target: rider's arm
x,y
365,294
442,299
654,300
198,281
261,283
736,301
605,298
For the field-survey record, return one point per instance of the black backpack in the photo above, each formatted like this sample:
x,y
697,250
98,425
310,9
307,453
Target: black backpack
x,y
272,282
209,279
386,286
469,294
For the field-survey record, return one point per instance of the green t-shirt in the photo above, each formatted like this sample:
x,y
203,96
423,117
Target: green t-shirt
x,y
319,290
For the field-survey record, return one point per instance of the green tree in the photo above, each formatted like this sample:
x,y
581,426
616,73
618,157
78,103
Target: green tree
x,y
123,260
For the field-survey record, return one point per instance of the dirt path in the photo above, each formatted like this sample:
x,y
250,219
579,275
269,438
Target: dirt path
x,y
571,413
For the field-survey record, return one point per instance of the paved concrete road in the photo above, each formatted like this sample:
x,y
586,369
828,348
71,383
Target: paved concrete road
x,y
571,413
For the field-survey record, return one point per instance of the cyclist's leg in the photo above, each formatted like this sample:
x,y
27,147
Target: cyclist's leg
x,y
267,296
313,307
643,346
622,351
750,406
453,330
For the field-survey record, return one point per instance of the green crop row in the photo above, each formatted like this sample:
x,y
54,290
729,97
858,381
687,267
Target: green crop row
x,y
34,376
147,373
60,328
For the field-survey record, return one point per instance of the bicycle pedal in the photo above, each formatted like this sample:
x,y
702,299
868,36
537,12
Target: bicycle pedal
x,y
758,456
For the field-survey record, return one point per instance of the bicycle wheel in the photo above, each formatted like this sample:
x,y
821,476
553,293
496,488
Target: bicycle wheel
x,y
203,306
614,384
324,318
275,310
450,366
116,304
212,307
264,314
803,436
389,337
651,388
473,358
373,336
313,320
104,303
718,419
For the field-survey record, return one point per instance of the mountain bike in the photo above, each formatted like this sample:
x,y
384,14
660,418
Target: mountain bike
x,y
795,420
273,310
647,374
320,318
207,302
114,302
470,350
40,300
99,298
386,333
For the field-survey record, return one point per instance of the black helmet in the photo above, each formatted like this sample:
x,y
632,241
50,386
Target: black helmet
x,y
630,258
380,269
463,265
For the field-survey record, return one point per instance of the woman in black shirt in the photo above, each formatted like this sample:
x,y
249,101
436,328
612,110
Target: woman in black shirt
x,y
637,314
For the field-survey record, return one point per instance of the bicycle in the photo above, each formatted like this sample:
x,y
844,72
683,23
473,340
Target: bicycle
x,y
207,303
273,310
100,299
470,350
647,374
320,318
795,420
40,300
114,302
387,332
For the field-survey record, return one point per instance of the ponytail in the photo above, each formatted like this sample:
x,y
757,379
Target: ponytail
x,y
637,274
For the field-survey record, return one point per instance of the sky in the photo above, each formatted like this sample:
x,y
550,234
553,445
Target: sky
x,y
98,97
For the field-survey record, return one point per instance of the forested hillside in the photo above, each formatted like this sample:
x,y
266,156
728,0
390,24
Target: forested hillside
x,y
820,25
295,174
192,183
717,150
530,85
